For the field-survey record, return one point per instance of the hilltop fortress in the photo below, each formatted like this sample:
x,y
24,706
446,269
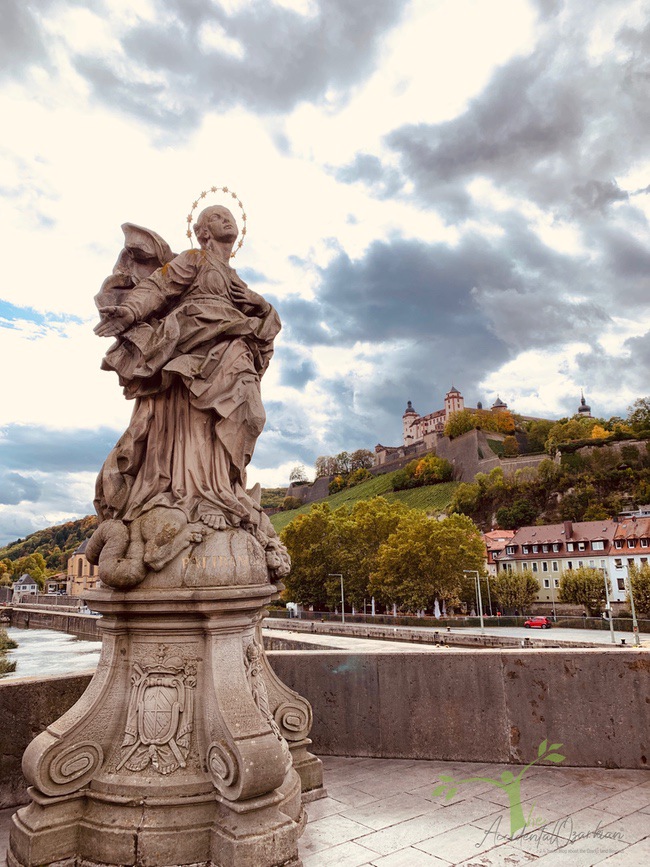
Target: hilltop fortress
x,y
470,453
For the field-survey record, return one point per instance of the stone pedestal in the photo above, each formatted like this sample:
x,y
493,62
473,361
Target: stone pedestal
x,y
185,749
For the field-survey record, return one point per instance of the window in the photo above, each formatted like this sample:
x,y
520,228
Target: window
x,y
581,563
555,566
510,549
524,567
535,549
534,567
618,543
582,546
556,582
618,563
644,543
569,546
544,566
569,564
525,549
631,543
592,564
547,583
598,545
644,561
556,547
621,583
630,561
545,549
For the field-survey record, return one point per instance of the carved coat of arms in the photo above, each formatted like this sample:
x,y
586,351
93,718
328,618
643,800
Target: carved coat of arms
x,y
160,717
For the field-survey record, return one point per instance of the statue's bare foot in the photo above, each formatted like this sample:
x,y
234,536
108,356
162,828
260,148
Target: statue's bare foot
x,y
216,521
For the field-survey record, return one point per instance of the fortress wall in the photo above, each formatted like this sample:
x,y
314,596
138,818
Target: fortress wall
x,y
452,705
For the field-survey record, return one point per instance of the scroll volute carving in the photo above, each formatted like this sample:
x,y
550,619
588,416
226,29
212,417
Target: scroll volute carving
x,y
292,712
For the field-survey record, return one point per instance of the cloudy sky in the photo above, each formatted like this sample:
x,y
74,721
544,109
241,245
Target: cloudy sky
x,y
437,191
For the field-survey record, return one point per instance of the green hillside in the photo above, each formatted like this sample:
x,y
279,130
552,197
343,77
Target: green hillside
x,y
433,498
56,544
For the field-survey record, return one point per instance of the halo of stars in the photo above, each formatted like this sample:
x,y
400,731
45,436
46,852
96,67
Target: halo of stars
x,y
195,204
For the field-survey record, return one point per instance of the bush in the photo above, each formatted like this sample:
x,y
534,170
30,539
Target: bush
x,y
290,503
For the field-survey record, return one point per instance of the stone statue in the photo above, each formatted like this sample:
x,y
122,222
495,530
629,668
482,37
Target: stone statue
x,y
186,748
193,342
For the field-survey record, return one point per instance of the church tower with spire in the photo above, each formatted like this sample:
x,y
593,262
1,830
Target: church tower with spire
x,y
454,402
409,428
584,410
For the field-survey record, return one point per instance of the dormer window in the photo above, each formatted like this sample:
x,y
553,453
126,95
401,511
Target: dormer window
x,y
598,545
631,543
510,549
525,549
581,546
569,546
556,546
545,549
535,549
644,543
618,543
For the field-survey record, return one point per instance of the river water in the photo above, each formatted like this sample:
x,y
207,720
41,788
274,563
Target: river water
x,y
44,652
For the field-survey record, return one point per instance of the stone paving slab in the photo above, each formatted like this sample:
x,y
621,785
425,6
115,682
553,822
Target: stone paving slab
x,y
591,817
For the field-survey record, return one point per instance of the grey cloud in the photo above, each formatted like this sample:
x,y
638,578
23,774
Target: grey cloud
x,y
286,58
600,370
35,448
555,126
16,488
486,289
384,181
21,37
296,368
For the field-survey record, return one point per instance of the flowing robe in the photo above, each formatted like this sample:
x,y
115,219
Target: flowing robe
x,y
192,361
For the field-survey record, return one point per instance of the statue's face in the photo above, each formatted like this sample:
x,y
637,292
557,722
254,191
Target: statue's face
x,y
220,223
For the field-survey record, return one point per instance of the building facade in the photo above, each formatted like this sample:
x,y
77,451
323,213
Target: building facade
x,y
549,550
82,575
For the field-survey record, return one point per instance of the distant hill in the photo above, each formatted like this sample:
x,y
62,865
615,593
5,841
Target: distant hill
x,y
56,544
433,498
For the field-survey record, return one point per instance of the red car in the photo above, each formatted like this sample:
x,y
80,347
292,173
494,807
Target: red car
x,y
538,623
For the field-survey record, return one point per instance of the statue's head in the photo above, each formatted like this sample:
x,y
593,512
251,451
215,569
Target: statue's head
x,y
215,223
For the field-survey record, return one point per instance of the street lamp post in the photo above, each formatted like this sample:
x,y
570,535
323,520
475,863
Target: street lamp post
x,y
609,608
635,624
480,602
489,596
338,575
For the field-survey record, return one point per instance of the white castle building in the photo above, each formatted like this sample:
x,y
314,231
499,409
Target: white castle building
x,y
419,428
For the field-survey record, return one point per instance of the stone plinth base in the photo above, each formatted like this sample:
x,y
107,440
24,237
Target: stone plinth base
x,y
185,749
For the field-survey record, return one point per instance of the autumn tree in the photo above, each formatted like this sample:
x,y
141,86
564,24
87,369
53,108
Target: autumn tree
x,y
311,540
298,475
640,581
424,560
361,459
360,535
33,565
342,541
583,586
515,590
639,416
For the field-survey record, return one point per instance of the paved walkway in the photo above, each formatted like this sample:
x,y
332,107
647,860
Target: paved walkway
x,y
383,812
557,634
